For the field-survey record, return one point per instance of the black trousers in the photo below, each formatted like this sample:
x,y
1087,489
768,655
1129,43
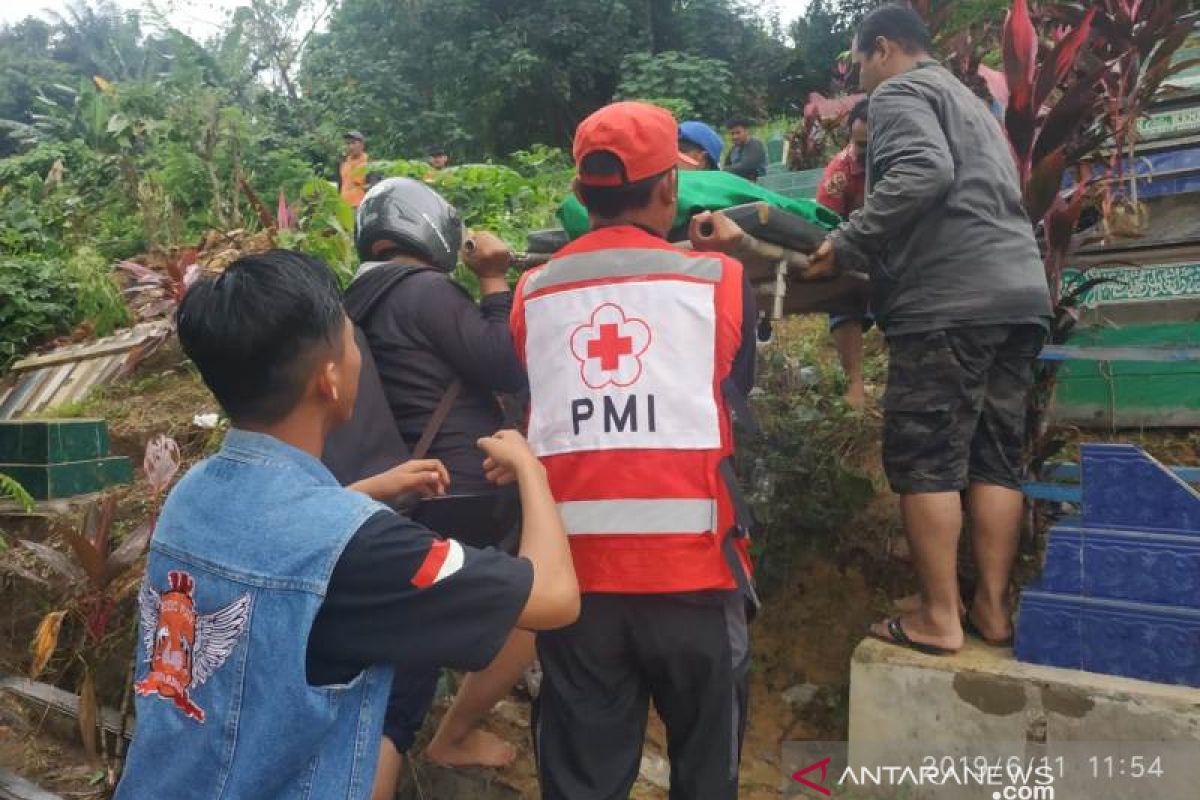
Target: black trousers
x,y
689,653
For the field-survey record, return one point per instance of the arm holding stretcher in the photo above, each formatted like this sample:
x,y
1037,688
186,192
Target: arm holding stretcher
x,y
713,230
799,282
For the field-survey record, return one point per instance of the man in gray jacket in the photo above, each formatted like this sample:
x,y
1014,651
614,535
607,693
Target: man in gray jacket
x,y
961,295
748,156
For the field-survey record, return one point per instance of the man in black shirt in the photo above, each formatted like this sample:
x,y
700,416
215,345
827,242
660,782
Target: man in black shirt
x,y
425,331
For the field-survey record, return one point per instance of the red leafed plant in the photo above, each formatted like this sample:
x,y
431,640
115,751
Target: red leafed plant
x,y
823,116
1080,74
822,129
1137,40
89,582
157,293
1086,77
285,218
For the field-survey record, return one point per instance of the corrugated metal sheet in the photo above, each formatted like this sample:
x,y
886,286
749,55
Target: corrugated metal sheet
x,y
67,374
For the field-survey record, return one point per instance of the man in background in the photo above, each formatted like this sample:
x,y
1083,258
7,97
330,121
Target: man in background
x,y
438,157
352,177
842,189
748,156
960,292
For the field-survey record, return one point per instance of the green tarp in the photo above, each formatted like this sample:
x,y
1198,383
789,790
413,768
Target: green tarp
x,y
710,191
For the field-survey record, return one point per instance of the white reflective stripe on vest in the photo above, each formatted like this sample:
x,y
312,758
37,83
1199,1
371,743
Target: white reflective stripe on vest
x,y
679,515
621,264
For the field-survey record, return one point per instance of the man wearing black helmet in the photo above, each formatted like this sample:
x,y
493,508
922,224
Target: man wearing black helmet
x,y
426,334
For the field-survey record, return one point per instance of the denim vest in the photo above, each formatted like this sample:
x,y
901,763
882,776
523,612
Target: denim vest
x,y
237,571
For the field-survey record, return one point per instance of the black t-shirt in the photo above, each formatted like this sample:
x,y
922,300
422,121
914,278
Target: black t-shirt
x,y
399,595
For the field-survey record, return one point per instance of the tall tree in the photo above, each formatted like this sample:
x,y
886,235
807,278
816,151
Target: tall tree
x,y
98,38
497,75
26,66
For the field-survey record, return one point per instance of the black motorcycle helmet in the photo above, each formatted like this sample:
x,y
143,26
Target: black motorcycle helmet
x,y
402,215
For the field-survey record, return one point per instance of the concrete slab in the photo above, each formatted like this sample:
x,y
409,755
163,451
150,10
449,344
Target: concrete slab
x,y
906,707
14,787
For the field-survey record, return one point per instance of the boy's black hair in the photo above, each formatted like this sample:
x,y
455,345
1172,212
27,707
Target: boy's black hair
x,y
898,23
738,122
859,112
257,331
609,202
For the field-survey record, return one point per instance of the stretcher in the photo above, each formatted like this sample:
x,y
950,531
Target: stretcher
x,y
774,253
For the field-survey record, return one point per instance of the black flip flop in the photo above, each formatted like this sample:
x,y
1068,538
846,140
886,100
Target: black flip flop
x,y
971,629
899,637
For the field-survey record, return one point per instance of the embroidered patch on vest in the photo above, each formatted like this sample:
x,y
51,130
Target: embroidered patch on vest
x,y
185,647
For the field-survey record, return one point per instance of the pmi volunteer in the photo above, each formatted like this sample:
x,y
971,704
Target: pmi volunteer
x,y
637,353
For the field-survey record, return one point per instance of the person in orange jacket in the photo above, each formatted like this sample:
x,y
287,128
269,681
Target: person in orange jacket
x,y
352,176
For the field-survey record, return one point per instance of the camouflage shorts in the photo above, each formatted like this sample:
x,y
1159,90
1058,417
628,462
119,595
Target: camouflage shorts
x,y
954,409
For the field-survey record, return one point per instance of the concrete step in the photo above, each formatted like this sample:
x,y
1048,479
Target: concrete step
x,y
907,708
14,787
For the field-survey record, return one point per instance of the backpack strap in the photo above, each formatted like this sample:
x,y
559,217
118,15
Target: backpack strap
x,y
436,419
394,273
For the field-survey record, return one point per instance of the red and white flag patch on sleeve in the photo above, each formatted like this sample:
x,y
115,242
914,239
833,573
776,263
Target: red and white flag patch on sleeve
x,y
444,559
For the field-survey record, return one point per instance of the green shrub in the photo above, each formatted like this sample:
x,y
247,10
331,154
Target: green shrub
x,y
507,200
325,228
682,110
43,297
703,85
37,300
98,298
805,475
10,489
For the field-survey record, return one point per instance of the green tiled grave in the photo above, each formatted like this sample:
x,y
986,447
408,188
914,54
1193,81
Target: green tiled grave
x,y
52,441
54,459
56,481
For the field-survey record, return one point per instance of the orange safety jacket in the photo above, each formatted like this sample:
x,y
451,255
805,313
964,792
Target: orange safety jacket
x,y
354,179
627,341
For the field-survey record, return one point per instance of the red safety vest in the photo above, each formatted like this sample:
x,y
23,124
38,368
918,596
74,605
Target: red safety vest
x,y
627,341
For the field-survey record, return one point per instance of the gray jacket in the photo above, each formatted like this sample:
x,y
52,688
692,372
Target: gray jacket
x,y
748,161
942,233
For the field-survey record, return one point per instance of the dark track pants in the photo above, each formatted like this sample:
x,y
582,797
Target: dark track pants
x,y
688,653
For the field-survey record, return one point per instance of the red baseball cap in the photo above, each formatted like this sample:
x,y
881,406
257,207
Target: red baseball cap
x,y
644,137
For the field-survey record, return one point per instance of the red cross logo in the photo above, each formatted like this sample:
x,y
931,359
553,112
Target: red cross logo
x,y
609,347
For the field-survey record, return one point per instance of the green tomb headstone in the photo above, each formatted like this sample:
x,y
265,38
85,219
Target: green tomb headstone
x,y
54,459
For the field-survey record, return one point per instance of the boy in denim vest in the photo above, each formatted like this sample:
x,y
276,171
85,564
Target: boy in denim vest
x,y
277,602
